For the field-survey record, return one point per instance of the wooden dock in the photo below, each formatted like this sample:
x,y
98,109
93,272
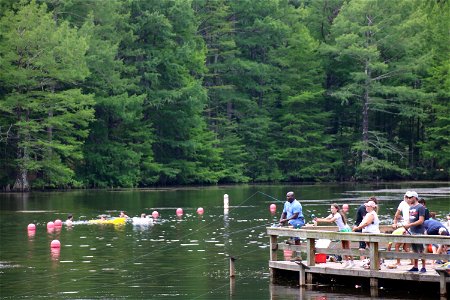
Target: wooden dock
x,y
308,268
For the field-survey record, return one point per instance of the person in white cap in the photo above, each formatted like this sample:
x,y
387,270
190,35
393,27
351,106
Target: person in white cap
x,y
415,226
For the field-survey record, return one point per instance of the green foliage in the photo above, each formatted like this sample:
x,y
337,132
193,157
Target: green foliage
x,y
102,93
40,66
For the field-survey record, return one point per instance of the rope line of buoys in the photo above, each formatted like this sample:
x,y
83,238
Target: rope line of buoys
x,y
163,247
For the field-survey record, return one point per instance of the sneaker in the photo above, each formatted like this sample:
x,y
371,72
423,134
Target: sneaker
x,y
414,269
423,270
290,242
349,265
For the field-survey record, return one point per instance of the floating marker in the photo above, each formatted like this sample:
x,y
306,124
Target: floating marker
x,y
50,225
200,210
58,223
155,214
273,207
179,211
31,227
55,244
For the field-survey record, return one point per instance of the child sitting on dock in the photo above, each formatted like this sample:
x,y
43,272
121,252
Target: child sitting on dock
x,y
338,217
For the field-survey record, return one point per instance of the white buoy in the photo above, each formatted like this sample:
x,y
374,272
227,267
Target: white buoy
x,y
226,203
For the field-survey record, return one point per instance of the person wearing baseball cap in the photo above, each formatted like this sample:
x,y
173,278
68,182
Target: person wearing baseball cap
x,y
415,226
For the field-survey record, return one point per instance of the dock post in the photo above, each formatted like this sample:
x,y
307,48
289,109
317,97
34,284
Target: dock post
x,y
442,286
273,253
302,273
232,270
373,287
374,256
311,251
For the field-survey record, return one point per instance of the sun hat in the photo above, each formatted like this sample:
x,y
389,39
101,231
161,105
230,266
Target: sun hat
x,y
371,204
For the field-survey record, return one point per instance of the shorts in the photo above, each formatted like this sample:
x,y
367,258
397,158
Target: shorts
x,y
346,229
362,245
417,248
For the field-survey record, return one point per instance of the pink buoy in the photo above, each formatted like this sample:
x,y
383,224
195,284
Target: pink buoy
x,y
155,214
273,207
58,223
55,244
179,211
200,210
31,227
50,225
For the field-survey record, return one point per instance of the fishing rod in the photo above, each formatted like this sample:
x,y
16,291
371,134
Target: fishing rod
x,y
270,196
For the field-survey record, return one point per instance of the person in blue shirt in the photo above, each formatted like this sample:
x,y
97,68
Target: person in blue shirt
x,y
433,227
292,213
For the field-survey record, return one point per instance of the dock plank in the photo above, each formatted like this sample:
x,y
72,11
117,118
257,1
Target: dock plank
x,y
335,268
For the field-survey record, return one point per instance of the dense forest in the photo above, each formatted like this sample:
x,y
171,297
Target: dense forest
x,y
134,93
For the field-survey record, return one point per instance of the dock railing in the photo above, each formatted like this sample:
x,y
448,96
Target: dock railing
x,y
376,245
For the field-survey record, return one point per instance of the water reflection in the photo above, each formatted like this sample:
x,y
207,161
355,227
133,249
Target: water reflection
x,y
55,253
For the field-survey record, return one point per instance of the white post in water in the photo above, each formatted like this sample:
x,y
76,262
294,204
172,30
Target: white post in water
x,y
226,202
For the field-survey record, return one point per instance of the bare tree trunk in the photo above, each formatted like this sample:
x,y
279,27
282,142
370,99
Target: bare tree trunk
x,y
365,115
22,183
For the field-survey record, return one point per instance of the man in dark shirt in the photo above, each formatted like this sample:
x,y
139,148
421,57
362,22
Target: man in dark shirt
x,y
415,226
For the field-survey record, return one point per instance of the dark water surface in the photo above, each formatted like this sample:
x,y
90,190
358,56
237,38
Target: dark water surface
x,y
175,258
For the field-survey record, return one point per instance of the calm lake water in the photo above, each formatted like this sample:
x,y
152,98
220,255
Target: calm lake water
x,y
177,257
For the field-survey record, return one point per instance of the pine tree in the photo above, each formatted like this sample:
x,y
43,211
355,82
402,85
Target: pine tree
x,y
46,115
377,79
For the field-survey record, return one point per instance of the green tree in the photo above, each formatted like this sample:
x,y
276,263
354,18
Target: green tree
x,y
169,57
379,80
436,144
118,151
216,26
46,115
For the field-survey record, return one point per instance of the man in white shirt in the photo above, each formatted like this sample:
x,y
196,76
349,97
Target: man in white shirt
x,y
401,217
402,214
